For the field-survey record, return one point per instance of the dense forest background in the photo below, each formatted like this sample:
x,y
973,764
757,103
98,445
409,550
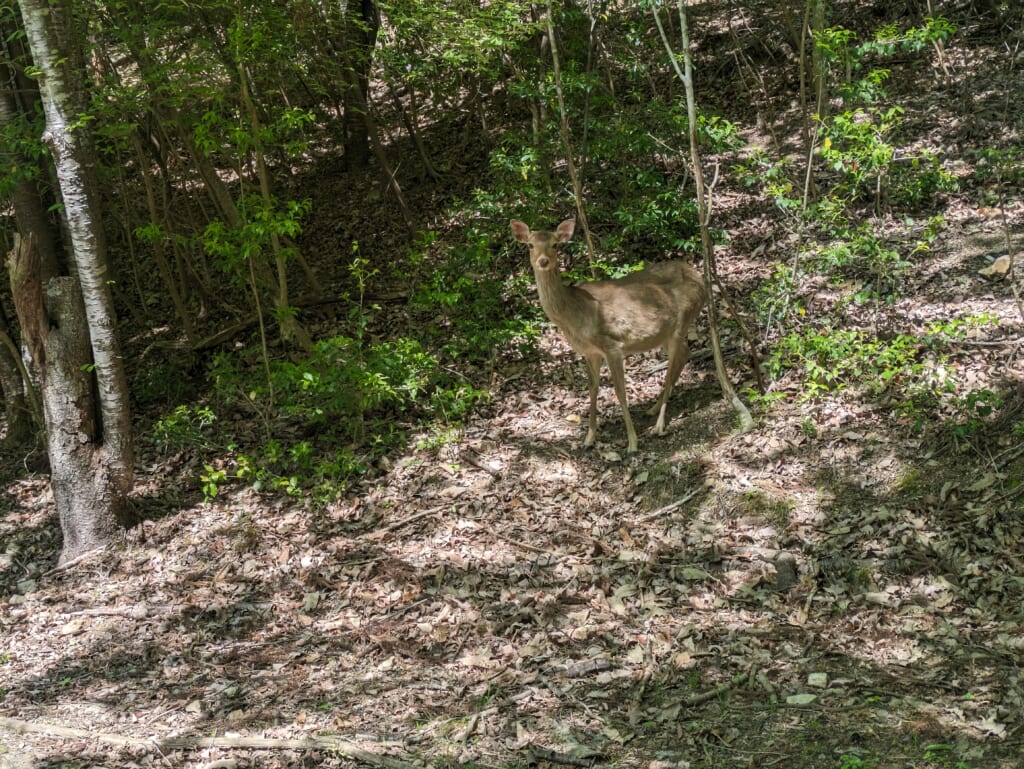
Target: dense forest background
x,y
269,342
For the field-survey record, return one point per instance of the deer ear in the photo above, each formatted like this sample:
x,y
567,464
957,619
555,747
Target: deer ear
x,y
565,230
520,231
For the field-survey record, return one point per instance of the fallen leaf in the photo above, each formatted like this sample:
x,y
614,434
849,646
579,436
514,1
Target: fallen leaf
x,y
998,268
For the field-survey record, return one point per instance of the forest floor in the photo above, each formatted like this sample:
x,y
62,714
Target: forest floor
x,y
830,590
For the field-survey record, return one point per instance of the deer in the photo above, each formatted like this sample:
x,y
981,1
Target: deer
x,y
609,319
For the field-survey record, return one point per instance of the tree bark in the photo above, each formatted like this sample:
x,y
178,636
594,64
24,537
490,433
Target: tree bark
x,y
85,391
685,74
362,21
29,200
17,391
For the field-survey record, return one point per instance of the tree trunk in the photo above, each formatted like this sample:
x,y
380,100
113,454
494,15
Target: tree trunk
x,y
55,328
17,391
85,392
703,212
362,20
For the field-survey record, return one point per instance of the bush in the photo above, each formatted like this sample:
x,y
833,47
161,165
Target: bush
x,y
329,416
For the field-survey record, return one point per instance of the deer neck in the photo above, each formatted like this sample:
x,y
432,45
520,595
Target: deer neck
x,y
560,302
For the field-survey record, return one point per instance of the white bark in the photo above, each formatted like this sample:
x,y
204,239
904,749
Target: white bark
x,y
107,430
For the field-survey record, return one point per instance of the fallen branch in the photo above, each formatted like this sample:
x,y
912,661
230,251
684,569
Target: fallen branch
x,y
699,699
336,744
67,565
671,507
376,533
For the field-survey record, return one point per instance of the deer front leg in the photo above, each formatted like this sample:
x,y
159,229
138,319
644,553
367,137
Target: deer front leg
x,y
617,369
593,384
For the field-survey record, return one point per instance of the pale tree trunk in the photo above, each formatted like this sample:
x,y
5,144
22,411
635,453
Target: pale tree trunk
x,y
703,212
85,401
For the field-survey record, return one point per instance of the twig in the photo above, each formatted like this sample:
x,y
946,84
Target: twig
x,y
405,521
554,757
671,507
524,546
698,699
989,343
74,561
471,458
337,744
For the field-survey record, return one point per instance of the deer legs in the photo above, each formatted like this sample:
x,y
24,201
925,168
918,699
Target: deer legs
x,y
617,368
678,353
594,380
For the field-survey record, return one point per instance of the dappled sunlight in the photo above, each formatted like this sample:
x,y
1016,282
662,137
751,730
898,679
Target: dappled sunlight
x,y
389,547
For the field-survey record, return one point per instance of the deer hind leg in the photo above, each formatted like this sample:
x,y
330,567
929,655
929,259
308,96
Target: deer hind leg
x,y
594,384
617,369
678,354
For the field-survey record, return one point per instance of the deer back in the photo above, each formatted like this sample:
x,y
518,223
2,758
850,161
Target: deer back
x,y
645,309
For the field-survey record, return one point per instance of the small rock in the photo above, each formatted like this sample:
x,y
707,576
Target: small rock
x,y
801,699
817,680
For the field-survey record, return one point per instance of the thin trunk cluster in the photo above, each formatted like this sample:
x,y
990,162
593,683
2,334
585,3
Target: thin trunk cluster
x,y
68,322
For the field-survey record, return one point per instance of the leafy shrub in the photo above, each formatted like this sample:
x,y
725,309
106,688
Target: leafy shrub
x,y
909,373
775,299
919,179
334,412
996,165
855,144
482,309
864,255
185,426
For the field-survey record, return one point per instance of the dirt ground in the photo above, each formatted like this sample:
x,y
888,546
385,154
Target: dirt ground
x,y
830,590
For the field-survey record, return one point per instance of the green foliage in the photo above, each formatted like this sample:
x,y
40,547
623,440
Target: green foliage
x,y
1000,165
908,372
262,221
864,255
482,310
832,359
758,170
656,212
919,179
22,149
335,412
835,44
185,426
342,380
856,145
844,57
436,43
889,40
211,479
858,142
775,299
850,761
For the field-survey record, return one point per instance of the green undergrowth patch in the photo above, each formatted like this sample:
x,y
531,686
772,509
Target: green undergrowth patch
x,y
318,422
911,374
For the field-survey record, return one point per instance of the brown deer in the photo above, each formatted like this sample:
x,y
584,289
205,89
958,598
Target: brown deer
x,y
610,319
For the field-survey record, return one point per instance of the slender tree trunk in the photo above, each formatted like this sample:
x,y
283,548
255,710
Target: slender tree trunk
x,y
23,420
85,391
362,21
23,414
291,329
563,126
704,213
